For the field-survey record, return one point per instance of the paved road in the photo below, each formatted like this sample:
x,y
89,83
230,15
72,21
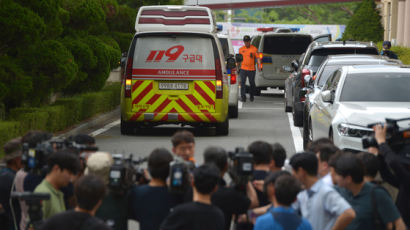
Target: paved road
x,y
263,119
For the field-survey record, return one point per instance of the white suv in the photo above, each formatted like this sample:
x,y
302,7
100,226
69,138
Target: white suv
x,y
354,97
234,85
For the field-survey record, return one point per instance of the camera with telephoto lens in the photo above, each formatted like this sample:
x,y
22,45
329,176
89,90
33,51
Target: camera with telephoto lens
x,y
179,175
125,172
240,167
33,201
396,137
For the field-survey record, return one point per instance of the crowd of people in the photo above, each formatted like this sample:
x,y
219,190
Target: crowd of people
x,y
322,188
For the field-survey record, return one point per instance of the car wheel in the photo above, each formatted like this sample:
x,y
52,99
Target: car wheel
x,y
126,128
287,107
297,117
222,129
307,134
233,111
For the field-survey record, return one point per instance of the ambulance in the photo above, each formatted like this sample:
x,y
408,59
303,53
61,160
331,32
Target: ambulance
x,y
175,71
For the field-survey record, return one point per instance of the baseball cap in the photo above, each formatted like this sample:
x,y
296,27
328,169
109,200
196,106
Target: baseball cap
x,y
246,38
387,43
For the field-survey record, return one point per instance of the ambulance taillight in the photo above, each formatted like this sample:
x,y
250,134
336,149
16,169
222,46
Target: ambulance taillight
x,y
128,78
219,82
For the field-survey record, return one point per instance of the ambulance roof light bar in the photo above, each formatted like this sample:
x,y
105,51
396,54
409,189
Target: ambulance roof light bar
x,y
175,18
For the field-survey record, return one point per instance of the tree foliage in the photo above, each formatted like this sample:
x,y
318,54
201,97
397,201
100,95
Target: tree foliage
x,y
365,25
334,13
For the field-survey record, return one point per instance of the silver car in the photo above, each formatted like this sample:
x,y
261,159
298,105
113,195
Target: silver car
x,y
234,81
354,97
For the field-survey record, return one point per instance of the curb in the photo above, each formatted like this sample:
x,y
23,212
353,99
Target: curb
x,y
94,121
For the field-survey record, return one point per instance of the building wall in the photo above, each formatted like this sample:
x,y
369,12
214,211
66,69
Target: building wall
x,y
396,21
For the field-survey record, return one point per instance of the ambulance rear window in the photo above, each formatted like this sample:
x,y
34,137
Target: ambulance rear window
x,y
175,55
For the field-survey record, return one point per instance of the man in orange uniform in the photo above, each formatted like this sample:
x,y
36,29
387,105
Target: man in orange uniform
x,y
249,53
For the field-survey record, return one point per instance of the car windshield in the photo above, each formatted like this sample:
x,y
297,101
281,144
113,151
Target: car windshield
x,y
320,55
392,87
286,44
225,47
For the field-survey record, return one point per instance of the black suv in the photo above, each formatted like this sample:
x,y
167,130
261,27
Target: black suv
x,y
308,64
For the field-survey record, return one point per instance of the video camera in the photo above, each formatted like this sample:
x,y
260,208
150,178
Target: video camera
x,y
126,172
35,158
33,201
397,138
179,174
240,167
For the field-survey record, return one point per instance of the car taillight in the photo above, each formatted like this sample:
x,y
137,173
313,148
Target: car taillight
x,y
128,78
219,83
305,72
233,76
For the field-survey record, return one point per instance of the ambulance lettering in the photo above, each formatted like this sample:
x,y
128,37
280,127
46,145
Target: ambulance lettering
x,y
173,54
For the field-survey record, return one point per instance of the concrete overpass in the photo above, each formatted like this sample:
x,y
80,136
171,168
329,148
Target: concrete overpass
x,y
235,4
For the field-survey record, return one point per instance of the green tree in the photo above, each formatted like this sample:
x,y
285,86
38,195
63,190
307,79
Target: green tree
x,y
365,25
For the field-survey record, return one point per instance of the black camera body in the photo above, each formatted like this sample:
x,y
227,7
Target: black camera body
x,y
240,167
35,159
179,175
397,138
125,172
33,201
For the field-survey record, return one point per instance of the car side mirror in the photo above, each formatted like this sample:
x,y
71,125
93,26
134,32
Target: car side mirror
x,y
123,59
287,68
307,80
295,65
239,57
230,63
328,96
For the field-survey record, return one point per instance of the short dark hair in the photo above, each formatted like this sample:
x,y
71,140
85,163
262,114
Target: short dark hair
x,y
262,152
216,155
182,136
370,162
206,178
305,160
158,163
326,151
83,139
89,190
349,165
65,159
314,145
287,188
279,154
34,137
272,177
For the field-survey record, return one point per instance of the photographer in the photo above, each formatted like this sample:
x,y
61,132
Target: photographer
x,y
229,200
151,203
62,166
12,159
400,165
113,210
89,192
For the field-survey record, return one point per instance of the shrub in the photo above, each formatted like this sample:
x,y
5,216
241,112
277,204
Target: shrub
x,y
72,109
57,120
123,40
85,13
365,24
53,68
29,118
23,26
14,83
124,21
8,131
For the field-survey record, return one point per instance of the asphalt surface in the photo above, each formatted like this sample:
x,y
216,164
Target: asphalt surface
x,y
264,119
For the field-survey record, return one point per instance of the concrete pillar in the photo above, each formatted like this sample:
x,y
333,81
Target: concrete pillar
x,y
406,40
393,19
400,22
385,21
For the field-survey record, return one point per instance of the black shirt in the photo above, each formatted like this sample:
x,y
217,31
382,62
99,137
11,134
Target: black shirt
x,y
114,210
262,198
150,205
194,216
72,220
230,201
6,182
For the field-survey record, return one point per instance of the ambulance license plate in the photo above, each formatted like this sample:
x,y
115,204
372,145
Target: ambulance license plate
x,y
173,86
